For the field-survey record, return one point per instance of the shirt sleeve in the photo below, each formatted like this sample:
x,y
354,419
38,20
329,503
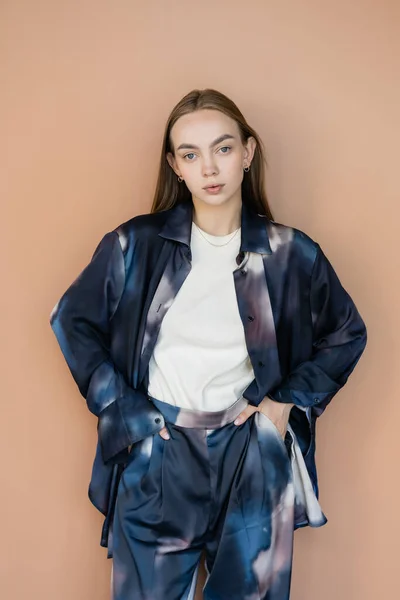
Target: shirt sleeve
x,y
339,339
81,322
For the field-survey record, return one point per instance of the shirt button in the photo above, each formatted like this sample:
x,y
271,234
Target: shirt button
x,y
243,271
260,363
157,420
250,318
316,399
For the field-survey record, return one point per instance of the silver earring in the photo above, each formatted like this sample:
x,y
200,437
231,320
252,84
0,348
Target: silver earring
x,y
247,169
180,179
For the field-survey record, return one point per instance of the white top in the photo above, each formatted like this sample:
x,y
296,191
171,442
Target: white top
x,y
200,359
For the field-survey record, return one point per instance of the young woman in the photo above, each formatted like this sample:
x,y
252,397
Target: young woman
x,y
207,339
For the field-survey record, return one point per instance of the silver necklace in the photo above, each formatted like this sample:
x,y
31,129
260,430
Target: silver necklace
x,y
207,240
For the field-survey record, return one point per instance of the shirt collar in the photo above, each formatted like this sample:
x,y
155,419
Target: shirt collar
x,y
254,235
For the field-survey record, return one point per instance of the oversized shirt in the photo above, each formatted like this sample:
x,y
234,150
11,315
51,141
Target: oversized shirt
x,y
304,334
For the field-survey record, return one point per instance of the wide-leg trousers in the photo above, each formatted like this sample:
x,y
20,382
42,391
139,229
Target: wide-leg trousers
x,y
213,486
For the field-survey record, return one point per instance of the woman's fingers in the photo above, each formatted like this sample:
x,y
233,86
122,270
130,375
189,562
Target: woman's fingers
x,y
164,433
245,414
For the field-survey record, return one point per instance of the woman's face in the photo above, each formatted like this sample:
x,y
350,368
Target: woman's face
x,y
208,150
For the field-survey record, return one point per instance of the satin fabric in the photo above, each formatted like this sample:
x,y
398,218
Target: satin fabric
x,y
228,490
303,332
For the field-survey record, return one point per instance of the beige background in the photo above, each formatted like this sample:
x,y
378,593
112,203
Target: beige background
x,y
86,87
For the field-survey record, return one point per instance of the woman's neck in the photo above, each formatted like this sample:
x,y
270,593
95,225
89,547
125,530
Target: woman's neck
x,y
217,220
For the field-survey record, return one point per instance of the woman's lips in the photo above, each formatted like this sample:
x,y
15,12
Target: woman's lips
x,y
215,189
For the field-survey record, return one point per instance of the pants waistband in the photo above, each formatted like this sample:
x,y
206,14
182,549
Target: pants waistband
x,y
187,417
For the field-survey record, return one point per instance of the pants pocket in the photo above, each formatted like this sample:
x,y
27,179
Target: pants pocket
x,y
272,426
138,464
140,493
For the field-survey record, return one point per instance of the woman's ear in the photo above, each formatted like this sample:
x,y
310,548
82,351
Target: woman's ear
x,y
171,161
250,148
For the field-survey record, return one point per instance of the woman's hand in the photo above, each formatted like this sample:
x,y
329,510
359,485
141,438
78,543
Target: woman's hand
x,y
277,412
164,433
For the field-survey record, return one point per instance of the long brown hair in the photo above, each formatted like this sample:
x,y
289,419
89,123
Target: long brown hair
x,y
169,191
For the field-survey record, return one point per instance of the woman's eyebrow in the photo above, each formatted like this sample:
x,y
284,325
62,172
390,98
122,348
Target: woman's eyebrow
x,y
221,138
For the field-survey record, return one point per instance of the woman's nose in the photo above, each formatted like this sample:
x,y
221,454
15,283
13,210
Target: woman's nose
x,y
209,169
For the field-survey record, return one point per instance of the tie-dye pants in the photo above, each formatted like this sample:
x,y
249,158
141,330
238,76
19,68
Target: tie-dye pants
x,y
213,486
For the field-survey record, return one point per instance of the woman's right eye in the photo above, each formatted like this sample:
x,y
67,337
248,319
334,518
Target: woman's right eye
x,y
189,154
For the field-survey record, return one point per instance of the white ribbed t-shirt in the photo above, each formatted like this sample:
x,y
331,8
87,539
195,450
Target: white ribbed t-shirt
x,y
200,360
